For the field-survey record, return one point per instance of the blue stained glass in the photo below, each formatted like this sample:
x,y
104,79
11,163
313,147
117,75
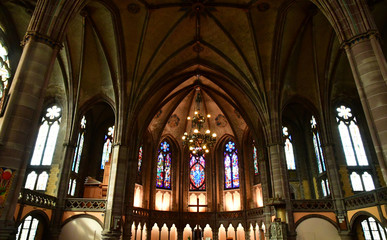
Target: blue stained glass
x,y
167,180
164,163
160,171
230,146
197,172
255,158
164,147
227,171
139,163
235,170
231,166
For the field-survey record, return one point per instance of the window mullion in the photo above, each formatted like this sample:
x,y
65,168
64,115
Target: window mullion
x,y
45,143
352,144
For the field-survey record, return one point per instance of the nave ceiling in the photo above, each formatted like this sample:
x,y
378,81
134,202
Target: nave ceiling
x,y
146,54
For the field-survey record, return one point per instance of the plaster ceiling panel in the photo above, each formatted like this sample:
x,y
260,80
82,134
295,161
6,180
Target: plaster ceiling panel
x,y
56,85
133,25
95,73
305,82
104,29
236,24
264,25
159,33
169,66
172,50
293,27
177,123
323,37
21,17
73,47
62,56
225,48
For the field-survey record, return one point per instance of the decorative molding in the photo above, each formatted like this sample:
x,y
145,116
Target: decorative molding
x,y
358,38
40,38
85,204
34,198
313,205
133,8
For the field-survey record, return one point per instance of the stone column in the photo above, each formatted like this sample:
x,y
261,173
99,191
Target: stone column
x,y
247,234
180,231
23,111
149,233
369,70
56,219
17,132
116,194
279,175
215,233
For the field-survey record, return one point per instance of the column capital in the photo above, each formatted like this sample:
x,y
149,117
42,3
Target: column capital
x,y
42,39
359,38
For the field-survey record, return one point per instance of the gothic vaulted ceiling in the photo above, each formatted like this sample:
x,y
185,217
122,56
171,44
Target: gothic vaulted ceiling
x,y
250,55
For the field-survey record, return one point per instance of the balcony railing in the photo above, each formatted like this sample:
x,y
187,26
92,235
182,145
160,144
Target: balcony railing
x,y
34,198
361,200
322,205
185,217
85,204
366,199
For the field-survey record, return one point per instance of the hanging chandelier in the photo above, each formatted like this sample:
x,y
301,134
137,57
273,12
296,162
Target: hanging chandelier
x,y
197,140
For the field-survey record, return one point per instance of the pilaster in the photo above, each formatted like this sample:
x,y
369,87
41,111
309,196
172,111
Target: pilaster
x,y
369,69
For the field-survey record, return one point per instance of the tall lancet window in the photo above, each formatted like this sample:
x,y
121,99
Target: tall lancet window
x,y
139,164
39,167
77,157
197,173
107,147
231,167
5,74
289,154
164,161
255,160
357,162
322,177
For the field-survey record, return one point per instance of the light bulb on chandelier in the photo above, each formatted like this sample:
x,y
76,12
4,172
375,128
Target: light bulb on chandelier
x,y
198,142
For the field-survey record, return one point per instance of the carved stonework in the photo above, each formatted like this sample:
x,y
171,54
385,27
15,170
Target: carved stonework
x,y
277,230
133,8
40,38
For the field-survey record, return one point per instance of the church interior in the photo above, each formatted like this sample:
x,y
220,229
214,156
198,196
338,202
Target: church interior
x,y
193,119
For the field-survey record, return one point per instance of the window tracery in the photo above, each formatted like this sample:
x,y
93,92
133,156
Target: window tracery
x,y
107,146
164,161
231,166
5,74
354,151
197,165
322,175
27,229
289,153
37,176
77,157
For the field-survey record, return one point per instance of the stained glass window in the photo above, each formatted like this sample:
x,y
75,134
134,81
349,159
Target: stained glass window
x,y
197,173
37,176
289,154
139,160
79,147
107,147
77,157
231,166
372,230
255,159
164,161
5,74
354,151
27,229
